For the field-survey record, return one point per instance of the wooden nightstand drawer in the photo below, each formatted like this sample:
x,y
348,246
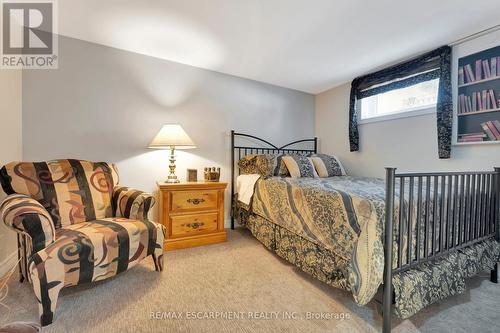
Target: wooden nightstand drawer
x,y
194,200
193,214
188,225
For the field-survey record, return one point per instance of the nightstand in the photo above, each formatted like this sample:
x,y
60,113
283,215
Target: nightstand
x,y
193,214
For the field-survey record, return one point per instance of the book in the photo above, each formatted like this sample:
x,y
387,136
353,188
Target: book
x,y
469,75
478,98
478,73
486,69
474,103
493,130
493,100
473,135
494,66
461,104
498,66
488,132
496,123
461,75
469,138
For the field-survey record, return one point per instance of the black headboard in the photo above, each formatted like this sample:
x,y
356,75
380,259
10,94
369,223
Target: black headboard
x,y
260,146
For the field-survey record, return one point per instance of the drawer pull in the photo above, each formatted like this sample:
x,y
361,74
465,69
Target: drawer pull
x,y
195,201
195,225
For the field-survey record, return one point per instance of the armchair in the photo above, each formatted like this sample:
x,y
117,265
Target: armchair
x,y
76,225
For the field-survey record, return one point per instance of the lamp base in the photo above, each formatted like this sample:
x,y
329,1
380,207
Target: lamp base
x,y
172,180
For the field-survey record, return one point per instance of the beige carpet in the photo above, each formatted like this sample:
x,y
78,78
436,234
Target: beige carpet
x,y
242,279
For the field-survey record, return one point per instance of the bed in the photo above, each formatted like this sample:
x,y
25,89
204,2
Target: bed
x,y
442,228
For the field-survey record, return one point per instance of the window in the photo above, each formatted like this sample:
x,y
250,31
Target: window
x,y
413,100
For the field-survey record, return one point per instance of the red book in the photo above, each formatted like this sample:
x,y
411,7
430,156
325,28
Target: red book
x,y
478,70
493,100
478,139
493,130
488,132
496,123
469,74
480,101
486,69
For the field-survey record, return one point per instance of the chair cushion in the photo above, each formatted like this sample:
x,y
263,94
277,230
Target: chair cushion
x,y
96,250
72,191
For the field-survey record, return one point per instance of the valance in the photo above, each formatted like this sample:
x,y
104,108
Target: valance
x,y
431,65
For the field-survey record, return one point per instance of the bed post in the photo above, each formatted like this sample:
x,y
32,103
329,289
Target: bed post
x,y
232,178
315,145
494,272
389,217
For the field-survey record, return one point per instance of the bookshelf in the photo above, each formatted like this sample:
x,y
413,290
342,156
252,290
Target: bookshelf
x,y
480,81
478,98
477,112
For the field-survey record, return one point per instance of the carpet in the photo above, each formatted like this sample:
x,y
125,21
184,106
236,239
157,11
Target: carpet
x,y
239,286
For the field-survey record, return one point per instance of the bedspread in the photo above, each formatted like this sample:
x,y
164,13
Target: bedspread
x,y
343,214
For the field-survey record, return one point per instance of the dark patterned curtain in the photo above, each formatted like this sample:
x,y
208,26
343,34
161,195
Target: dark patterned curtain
x,y
432,65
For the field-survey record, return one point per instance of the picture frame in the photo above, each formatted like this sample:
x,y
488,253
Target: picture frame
x,y
192,175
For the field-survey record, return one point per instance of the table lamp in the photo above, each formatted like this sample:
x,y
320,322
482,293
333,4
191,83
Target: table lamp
x,y
172,136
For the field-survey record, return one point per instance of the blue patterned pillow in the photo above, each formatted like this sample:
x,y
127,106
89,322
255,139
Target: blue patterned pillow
x,y
327,165
299,166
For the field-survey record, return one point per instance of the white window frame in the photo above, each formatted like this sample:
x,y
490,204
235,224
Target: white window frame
x,y
406,113
403,113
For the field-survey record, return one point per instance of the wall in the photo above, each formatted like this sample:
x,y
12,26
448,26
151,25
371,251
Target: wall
x,y
410,144
10,150
107,104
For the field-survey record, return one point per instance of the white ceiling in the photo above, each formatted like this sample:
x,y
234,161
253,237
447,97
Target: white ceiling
x,y
308,45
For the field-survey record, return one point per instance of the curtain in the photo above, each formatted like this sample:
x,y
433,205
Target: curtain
x,y
429,66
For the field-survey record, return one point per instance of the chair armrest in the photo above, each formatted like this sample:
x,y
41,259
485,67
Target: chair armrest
x,y
25,215
131,204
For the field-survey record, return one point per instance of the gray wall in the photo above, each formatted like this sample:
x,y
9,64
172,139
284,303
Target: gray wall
x,y
410,144
10,150
107,104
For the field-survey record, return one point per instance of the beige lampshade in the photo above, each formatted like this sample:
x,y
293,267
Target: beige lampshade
x,y
172,135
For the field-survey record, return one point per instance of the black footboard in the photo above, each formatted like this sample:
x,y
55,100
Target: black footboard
x,y
429,215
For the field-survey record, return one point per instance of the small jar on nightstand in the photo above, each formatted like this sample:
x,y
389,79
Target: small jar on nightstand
x,y
193,213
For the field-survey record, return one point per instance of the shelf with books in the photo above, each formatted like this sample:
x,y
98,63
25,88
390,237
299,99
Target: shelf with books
x,y
485,67
490,131
477,112
478,98
478,82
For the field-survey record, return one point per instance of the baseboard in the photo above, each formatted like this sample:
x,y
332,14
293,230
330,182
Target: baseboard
x,y
7,264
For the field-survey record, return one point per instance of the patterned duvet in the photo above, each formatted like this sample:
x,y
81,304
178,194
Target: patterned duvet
x,y
345,216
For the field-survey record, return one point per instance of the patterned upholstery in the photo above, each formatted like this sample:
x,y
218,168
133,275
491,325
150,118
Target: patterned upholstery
x,y
76,225
72,191
26,215
131,204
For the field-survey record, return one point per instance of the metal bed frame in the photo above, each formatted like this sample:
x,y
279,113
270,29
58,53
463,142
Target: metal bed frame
x,y
464,210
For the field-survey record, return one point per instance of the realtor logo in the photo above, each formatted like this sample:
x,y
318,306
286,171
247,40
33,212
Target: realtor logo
x,y
29,39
